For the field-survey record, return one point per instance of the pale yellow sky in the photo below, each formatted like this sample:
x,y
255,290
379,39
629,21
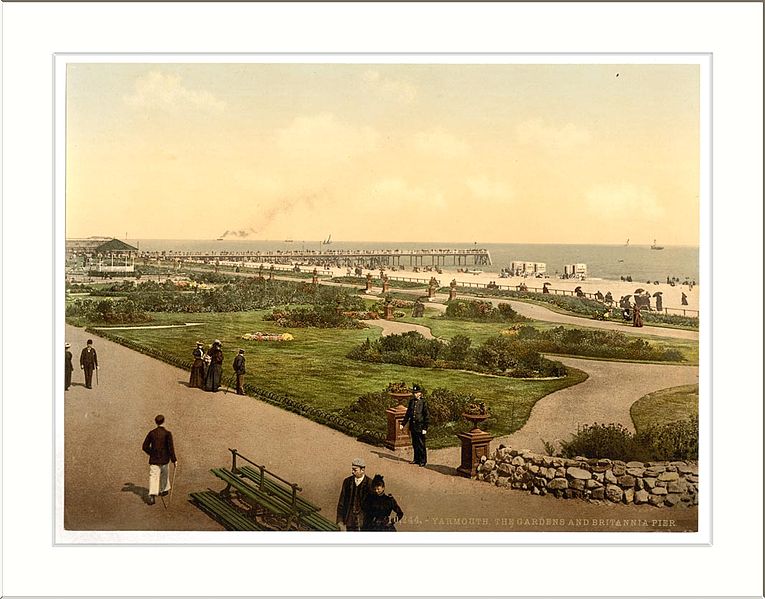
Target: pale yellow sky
x,y
496,153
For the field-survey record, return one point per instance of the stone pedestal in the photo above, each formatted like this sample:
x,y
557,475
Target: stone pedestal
x,y
388,311
452,293
397,438
475,445
386,286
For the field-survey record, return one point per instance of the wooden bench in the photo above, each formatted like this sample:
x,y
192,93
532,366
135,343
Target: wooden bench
x,y
264,495
233,519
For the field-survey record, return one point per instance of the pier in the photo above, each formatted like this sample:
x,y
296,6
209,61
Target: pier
x,y
369,258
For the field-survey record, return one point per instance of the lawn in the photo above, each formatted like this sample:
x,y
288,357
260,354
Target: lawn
x,y
313,368
665,406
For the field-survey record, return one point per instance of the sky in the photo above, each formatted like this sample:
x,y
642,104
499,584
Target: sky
x,y
384,152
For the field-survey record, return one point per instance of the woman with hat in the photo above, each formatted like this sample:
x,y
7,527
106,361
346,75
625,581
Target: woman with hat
x,y
215,370
197,379
381,511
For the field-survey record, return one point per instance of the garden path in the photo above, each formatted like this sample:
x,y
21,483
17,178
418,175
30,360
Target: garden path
x,y
105,471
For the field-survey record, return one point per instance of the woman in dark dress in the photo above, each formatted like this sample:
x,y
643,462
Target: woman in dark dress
x,y
215,370
197,379
378,507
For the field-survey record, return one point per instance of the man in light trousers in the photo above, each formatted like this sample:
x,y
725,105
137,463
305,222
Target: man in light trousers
x,y
159,446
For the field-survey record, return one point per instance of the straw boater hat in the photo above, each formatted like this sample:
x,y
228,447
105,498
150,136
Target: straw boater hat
x,y
68,345
200,344
217,342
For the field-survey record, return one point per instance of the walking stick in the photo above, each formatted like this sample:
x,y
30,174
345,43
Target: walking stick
x,y
172,483
96,376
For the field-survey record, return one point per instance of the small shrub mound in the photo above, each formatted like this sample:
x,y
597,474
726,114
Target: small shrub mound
x,y
497,355
671,441
481,311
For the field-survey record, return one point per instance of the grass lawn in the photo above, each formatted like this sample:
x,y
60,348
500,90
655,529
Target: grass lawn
x,y
313,368
665,406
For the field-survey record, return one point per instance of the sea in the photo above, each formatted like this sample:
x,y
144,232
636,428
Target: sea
x,y
612,262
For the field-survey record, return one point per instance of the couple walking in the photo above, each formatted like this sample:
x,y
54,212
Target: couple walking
x,y
363,504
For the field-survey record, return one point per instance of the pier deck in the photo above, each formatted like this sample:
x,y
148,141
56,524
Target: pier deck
x,y
372,258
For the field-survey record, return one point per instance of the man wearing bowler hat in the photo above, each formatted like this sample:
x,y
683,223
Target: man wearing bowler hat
x,y
418,417
89,363
355,489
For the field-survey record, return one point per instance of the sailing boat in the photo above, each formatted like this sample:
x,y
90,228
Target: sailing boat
x,y
628,243
328,240
656,247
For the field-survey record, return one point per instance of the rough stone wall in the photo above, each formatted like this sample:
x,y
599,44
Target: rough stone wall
x,y
656,483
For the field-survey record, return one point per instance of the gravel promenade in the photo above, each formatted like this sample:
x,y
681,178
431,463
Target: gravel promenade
x,y
106,473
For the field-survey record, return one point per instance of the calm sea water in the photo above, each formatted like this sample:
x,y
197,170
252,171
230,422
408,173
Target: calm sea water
x,y
603,261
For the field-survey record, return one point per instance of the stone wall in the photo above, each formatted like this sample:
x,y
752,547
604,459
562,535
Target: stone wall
x,y
656,483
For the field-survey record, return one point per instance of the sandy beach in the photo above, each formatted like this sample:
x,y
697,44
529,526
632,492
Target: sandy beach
x,y
672,296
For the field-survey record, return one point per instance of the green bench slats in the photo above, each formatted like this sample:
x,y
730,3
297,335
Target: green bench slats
x,y
309,511
219,509
270,494
269,502
274,488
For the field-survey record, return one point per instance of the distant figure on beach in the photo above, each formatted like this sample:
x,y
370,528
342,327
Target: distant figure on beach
x,y
240,371
68,368
352,495
684,299
599,295
215,369
89,362
522,287
609,299
659,305
158,444
197,378
418,418
545,288
637,319
381,511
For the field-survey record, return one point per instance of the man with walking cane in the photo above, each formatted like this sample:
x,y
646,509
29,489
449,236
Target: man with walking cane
x,y
159,446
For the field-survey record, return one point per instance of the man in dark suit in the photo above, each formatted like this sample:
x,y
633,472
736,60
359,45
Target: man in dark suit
x,y
88,363
418,418
68,368
240,370
355,489
159,446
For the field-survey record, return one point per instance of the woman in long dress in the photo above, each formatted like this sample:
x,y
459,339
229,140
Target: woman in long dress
x,y
197,379
215,369
637,319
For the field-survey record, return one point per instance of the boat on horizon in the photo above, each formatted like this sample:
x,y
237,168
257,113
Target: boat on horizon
x,y
628,242
656,247
328,240
219,239
289,240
